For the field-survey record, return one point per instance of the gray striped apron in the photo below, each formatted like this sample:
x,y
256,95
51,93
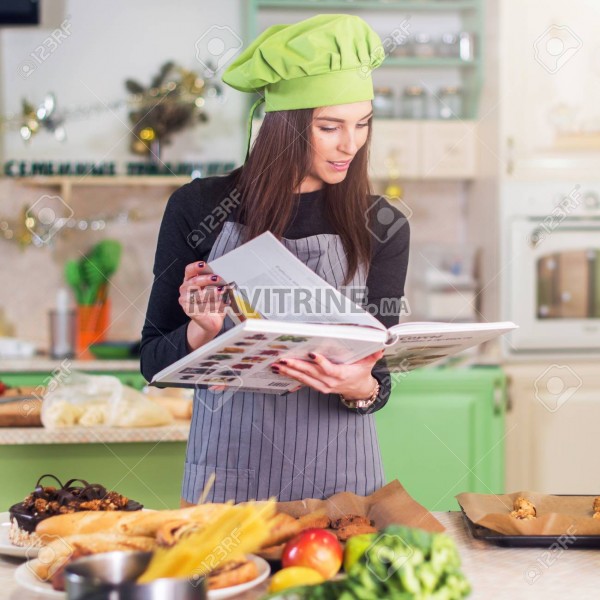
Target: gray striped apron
x,y
305,444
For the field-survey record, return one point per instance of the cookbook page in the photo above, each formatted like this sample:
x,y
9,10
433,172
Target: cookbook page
x,y
415,345
280,286
425,327
241,358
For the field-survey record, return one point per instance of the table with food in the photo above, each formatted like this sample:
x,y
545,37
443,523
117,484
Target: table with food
x,y
77,540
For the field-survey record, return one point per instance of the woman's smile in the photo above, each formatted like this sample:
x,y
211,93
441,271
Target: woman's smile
x,y
340,165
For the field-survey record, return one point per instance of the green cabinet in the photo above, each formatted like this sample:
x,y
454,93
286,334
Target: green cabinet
x,y
442,432
33,378
150,472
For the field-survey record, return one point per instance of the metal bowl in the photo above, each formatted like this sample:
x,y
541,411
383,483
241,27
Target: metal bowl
x,y
112,576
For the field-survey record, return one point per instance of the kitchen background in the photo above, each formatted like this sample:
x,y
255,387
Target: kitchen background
x,y
487,135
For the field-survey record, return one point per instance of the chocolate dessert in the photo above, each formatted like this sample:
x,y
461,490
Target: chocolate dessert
x,y
48,501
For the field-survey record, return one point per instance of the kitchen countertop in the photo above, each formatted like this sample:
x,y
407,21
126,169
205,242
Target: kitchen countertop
x,y
46,364
13,436
495,573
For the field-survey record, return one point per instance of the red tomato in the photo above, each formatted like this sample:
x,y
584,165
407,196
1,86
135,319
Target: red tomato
x,y
314,548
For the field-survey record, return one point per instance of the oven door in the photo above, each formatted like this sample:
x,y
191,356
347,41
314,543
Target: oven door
x,y
554,286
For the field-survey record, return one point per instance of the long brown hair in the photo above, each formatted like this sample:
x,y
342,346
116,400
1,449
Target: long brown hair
x,y
280,159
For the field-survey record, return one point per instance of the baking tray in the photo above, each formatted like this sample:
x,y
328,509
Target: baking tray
x,y
529,541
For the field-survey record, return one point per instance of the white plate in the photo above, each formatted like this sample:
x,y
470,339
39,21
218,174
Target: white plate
x,y
26,578
9,549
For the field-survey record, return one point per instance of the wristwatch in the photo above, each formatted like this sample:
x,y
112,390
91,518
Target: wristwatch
x,y
363,402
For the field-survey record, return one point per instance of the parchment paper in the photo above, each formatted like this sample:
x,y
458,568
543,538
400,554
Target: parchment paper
x,y
556,515
389,505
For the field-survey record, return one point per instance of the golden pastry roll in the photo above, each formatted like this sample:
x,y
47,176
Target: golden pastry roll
x,y
138,523
57,553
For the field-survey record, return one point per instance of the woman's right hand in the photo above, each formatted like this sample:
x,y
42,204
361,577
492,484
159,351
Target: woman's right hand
x,y
203,302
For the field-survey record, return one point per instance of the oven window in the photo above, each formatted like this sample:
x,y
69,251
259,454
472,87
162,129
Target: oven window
x,y
568,285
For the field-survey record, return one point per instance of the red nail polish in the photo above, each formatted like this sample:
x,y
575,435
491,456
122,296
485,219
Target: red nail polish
x,y
283,362
201,264
275,368
220,288
213,278
311,355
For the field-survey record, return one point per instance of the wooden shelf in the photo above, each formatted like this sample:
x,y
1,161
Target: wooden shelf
x,y
67,183
104,180
414,62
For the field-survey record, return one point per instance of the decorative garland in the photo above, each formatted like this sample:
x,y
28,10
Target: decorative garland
x,y
173,101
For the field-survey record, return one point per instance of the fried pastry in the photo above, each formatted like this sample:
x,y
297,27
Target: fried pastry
x,y
523,509
61,551
233,572
282,527
316,519
345,533
347,520
171,532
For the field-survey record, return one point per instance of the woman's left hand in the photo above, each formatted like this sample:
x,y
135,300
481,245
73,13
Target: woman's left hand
x,y
354,380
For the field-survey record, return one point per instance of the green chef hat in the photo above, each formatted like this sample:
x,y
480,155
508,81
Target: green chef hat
x,y
321,61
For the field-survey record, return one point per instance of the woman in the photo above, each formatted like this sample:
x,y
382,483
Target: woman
x,y
306,181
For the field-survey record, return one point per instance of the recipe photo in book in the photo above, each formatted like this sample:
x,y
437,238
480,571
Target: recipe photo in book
x,y
269,326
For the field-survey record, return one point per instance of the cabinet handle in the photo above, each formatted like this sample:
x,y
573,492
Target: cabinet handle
x,y
500,403
510,155
392,163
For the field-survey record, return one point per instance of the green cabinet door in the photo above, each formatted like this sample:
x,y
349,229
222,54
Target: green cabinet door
x,y
150,472
442,432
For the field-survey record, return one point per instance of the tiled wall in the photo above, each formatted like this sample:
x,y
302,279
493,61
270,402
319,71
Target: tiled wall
x,y
31,276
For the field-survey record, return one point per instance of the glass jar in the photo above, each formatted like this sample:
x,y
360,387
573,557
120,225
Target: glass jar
x,y
449,102
448,45
414,103
383,103
423,46
402,46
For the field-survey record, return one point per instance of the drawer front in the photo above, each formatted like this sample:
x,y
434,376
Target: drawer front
x,y
448,150
395,149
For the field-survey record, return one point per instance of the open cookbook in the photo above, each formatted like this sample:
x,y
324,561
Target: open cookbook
x,y
280,308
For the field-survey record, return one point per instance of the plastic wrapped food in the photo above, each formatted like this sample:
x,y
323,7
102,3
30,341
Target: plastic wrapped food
x,y
99,400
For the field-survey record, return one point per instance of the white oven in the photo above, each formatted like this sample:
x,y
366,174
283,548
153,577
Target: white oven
x,y
551,270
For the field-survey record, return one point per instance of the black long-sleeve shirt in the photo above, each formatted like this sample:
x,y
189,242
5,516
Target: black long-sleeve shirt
x,y
191,223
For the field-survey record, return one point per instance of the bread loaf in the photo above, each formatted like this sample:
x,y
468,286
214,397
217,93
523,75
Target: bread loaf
x,y
180,408
138,523
83,522
22,413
